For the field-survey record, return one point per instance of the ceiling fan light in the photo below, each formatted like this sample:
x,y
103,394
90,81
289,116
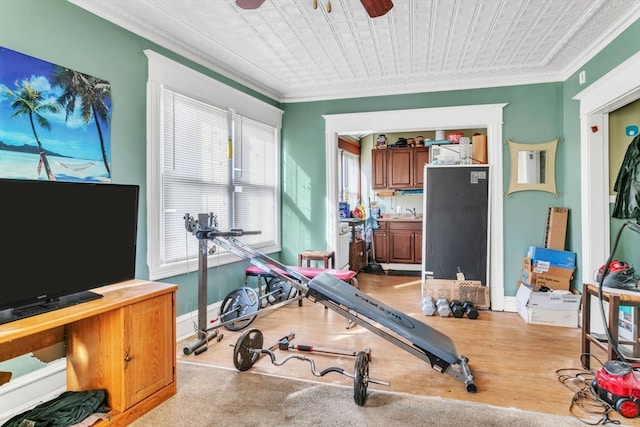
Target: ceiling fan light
x,y
249,4
377,8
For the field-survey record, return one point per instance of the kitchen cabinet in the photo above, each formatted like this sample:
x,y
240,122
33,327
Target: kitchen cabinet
x,y
420,158
379,169
398,242
381,242
398,168
405,239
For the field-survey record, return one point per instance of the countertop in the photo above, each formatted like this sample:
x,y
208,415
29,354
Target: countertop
x,y
402,217
387,218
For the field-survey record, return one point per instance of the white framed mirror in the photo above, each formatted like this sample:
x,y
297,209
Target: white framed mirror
x,y
532,167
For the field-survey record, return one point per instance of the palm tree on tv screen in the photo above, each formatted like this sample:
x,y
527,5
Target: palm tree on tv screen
x,y
91,93
26,100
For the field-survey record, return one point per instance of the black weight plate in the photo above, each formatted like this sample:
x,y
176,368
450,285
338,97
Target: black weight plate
x,y
240,302
360,378
243,356
279,290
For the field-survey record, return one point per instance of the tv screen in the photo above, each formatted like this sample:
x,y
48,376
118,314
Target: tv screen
x,y
61,239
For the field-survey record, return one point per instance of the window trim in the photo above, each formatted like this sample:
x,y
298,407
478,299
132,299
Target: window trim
x,y
166,72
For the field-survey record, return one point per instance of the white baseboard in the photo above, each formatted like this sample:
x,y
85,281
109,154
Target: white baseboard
x,y
25,392
510,304
187,324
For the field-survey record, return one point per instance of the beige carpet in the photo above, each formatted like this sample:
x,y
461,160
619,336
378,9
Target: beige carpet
x,y
210,396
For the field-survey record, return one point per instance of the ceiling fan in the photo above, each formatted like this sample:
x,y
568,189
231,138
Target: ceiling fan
x,y
374,8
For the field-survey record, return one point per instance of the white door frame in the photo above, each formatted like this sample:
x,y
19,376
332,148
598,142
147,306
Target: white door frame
x,y
489,116
615,89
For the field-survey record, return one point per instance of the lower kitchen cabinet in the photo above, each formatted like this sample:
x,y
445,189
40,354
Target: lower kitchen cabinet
x,y
405,241
381,242
398,242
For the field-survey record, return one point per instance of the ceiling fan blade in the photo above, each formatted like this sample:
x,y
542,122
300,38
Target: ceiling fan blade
x,y
377,8
249,4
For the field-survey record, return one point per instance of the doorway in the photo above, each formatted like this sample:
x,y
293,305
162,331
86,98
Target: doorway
x,y
489,116
616,89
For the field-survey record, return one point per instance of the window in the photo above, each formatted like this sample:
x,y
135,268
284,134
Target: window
x,y
350,177
210,149
349,171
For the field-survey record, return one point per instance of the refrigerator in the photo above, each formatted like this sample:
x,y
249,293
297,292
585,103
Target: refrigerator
x,y
455,234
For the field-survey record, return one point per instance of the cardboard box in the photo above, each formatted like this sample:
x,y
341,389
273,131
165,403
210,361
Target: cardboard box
x,y
556,231
556,258
461,290
548,308
542,273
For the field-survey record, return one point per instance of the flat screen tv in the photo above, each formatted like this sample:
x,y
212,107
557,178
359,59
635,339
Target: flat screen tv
x,y
62,239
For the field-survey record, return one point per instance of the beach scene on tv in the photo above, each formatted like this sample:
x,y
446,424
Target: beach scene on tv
x,y
54,121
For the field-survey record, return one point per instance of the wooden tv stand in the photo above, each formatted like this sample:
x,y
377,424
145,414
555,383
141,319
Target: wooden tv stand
x,y
124,342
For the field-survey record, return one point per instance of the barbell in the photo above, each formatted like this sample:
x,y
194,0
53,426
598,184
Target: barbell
x,y
248,350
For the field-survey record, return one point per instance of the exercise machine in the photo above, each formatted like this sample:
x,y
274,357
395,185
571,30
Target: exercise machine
x,y
400,329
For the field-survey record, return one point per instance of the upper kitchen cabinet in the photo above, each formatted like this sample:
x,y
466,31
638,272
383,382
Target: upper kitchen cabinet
x,y
398,168
379,169
420,158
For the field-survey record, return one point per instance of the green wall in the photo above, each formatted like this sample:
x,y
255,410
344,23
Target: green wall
x,y
533,114
59,32
623,47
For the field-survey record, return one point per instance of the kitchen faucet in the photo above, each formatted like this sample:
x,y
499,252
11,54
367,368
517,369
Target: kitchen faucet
x,y
413,211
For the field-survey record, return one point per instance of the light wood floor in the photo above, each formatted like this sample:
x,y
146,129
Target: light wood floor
x,y
514,363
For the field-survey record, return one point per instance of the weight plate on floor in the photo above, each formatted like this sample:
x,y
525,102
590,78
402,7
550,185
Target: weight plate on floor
x,y
243,356
360,378
240,302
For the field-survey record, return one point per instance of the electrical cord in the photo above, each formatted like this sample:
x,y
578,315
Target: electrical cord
x,y
586,405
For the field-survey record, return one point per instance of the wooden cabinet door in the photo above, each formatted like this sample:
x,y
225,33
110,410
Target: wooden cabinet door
x,y
379,169
420,158
149,359
381,245
405,242
401,246
400,168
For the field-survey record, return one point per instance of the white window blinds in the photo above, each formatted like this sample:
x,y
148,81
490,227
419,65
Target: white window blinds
x,y
255,174
210,149
196,169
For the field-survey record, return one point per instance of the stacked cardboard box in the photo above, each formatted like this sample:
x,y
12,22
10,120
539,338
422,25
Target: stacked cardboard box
x,y
548,267
558,308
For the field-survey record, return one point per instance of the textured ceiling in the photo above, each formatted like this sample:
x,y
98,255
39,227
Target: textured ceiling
x,y
290,51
